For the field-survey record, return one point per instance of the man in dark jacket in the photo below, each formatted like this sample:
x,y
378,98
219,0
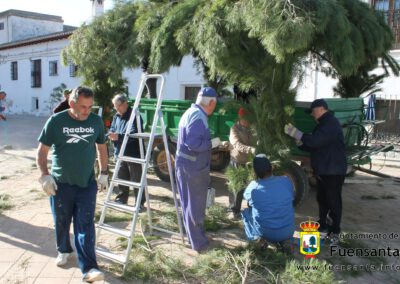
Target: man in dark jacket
x,y
65,103
328,161
127,171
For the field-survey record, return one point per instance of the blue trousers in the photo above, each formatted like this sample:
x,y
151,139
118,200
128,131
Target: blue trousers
x,y
192,187
78,204
254,231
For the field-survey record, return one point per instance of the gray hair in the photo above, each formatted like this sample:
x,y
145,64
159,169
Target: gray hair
x,y
80,92
119,99
204,101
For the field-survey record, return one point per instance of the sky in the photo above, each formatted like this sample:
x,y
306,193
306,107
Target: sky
x,y
73,12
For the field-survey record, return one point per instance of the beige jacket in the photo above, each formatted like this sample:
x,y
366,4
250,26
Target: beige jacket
x,y
241,139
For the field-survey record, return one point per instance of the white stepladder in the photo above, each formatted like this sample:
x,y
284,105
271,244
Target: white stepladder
x,y
142,185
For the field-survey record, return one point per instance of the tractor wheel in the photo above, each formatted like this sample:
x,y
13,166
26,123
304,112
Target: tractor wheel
x,y
300,181
159,160
219,160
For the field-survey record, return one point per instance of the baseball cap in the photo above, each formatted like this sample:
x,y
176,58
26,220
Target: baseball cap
x,y
207,92
261,165
241,112
317,103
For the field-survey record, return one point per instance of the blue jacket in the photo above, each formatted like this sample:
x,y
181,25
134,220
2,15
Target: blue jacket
x,y
119,125
271,200
194,140
326,146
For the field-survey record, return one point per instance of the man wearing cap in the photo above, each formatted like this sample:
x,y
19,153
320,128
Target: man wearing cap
x,y
270,198
192,165
328,161
241,138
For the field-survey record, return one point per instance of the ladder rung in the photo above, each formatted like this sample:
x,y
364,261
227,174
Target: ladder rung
x,y
145,135
122,232
110,255
164,230
120,207
132,160
126,183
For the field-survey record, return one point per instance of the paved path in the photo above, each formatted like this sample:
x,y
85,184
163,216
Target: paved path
x,y
27,245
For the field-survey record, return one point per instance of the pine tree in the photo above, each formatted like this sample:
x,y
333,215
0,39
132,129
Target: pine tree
x,y
258,45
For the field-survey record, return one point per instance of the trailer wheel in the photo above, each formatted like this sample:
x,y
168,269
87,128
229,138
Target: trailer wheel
x,y
219,160
159,160
300,181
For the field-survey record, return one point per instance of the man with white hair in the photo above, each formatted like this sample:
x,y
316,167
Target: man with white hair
x,y
192,165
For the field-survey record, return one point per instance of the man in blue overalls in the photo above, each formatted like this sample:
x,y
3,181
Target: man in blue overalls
x,y
192,165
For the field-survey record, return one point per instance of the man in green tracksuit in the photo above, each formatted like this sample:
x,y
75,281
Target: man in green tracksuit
x,y
74,135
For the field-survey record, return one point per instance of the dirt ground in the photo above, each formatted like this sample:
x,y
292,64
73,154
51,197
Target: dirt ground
x,y
371,204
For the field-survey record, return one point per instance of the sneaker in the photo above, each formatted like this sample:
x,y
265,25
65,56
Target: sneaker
x,y
62,259
324,228
141,208
121,201
93,275
262,243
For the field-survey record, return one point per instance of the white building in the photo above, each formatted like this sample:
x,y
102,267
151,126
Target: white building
x,y
317,85
30,62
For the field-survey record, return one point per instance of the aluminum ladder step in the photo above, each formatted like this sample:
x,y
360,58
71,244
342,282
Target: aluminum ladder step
x,y
126,183
120,207
110,255
144,135
121,232
132,160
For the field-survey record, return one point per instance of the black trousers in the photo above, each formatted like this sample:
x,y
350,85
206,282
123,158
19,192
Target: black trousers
x,y
132,172
235,199
329,197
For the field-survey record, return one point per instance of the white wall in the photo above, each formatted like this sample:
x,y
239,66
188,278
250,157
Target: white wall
x,y
175,80
22,94
23,28
20,91
317,85
4,34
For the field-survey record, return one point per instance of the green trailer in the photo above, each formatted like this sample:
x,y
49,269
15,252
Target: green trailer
x,y
350,113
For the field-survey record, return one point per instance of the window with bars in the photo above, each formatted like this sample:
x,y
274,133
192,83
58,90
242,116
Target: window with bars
x,y
36,73
73,69
14,70
53,71
191,92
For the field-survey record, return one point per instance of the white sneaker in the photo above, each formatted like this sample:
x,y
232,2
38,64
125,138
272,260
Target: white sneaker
x,y
62,258
93,275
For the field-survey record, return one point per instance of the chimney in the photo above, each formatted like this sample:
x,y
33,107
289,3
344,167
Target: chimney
x,y
97,8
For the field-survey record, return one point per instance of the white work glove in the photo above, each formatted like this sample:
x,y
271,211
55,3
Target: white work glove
x,y
215,142
299,142
227,145
210,197
49,185
293,131
102,181
253,150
